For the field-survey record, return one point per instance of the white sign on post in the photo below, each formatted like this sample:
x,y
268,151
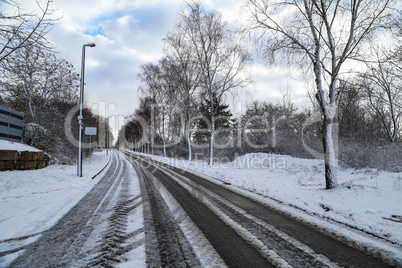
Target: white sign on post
x,y
90,131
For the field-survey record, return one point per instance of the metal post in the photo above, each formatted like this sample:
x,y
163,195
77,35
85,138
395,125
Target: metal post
x,y
107,136
90,148
80,117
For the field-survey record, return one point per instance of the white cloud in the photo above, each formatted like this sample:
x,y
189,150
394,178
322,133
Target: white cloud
x,y
129,33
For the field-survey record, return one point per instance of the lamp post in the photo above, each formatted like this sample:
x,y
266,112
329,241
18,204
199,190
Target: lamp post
x,y
107,135
80,117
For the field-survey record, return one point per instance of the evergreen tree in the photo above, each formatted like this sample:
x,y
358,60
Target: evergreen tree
x,y
222,119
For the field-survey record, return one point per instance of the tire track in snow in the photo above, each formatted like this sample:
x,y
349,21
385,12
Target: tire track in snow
x,y
166,245
104,210
111,240
264,236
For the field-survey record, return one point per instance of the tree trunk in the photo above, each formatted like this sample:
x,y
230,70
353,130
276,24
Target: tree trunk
x,y
211,152
188,137
31,105
330,143
164,147
330,150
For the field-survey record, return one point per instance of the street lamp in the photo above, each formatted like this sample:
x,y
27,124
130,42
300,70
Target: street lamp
x,y
107,135
80,117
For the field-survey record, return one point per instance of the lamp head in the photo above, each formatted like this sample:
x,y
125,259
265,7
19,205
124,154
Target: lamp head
x,y
90,45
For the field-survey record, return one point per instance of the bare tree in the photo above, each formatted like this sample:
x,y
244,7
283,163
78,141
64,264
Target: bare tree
x,y
325,34
383,85
352,116
167,100
65,81
160,84
396,56
144,112
23,74
150,78
187,73
151,88
33,78
22,27
221,60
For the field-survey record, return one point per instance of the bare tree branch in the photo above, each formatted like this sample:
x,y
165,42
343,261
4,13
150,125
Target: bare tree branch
x,y
21,28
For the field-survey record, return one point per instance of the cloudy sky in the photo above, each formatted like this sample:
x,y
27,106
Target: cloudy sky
x,y
129,33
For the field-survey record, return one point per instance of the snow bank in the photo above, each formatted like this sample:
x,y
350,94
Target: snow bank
x,y
9,145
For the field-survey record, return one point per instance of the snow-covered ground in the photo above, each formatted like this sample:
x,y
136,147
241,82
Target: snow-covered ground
x,y
9,145
32,201
367,199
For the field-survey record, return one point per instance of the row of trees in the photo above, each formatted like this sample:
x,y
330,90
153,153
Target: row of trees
x,y
39,84
203,61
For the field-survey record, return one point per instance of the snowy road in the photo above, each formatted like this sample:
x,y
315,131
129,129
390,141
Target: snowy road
x,y
243,232
143,213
